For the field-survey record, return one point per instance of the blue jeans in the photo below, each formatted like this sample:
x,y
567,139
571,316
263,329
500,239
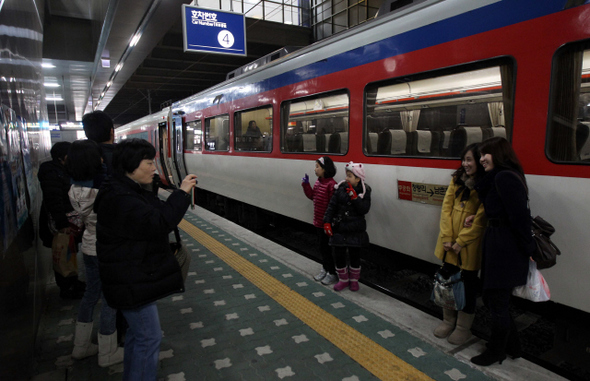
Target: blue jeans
x,y
108,315
142,343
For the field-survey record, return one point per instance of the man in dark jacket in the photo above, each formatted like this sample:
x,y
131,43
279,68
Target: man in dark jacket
x,y
98,127
55,184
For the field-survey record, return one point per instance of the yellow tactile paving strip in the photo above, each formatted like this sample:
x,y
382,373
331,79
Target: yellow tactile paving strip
x,y
373,357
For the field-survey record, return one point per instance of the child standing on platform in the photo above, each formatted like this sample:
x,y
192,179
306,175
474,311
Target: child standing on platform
x,y
320,194
345,223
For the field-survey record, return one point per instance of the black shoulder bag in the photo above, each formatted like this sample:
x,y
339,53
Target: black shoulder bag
x,y
181,254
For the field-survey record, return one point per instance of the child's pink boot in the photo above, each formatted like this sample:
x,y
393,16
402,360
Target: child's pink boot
x,y
354,274
342,279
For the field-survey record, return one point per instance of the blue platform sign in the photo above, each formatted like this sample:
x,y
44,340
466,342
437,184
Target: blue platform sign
x,y
213,31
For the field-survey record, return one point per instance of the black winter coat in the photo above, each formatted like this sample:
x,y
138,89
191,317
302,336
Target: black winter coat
x,y
55,184
348,216
136,263
507,243
107,156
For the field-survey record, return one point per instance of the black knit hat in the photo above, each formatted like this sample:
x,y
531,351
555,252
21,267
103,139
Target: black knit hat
x,y
328,166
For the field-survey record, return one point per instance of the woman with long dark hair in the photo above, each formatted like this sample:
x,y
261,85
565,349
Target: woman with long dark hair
x,y
459,244
507,244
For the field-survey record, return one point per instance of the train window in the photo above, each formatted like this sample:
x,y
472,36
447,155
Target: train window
x,y
253,130
437,114
568,139
193,136
317,124
217,133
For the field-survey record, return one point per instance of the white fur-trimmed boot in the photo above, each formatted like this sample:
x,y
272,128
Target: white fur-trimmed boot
x,y
109,353
447,325
83,347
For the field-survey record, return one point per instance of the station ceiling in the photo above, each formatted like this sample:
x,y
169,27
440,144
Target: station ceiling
x,y
80,35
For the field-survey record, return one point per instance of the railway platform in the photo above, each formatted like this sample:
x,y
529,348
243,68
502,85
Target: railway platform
x,y
252,311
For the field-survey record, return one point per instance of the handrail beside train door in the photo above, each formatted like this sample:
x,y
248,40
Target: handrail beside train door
x,y
178,151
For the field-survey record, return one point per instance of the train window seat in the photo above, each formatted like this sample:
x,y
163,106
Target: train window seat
x,y
423,141
399,142
309,142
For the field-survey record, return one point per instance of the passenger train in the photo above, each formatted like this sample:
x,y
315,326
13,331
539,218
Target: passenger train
x,y
404,94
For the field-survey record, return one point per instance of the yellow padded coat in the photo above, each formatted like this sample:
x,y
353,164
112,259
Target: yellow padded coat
x,y
453,215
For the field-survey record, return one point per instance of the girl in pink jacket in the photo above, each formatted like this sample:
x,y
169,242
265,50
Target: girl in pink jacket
x,y
320,194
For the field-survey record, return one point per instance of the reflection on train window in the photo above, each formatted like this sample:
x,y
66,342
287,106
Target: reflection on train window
x,y
253,130
569,115
193,136
438,114
217,133
317,124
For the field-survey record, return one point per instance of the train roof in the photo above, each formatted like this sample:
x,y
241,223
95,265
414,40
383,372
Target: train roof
x,y
429,23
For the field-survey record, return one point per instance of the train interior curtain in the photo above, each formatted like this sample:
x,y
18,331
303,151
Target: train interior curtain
x,y
496,110
410,120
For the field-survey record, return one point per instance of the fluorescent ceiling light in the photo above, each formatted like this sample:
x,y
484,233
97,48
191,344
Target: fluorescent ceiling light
x,y
51,84
54,98
47,65
119,67
135,40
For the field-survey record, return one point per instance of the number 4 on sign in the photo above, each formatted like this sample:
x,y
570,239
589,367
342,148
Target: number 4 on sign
x,y
225,39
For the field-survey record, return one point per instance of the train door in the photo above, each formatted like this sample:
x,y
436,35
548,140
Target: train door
x,y
164,152
178,151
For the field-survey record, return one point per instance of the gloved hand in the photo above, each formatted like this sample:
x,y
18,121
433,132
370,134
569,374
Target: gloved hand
x,y
328,229
351,192
305,179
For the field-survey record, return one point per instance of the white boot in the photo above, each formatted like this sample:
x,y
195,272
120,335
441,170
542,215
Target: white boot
x,y
108,351
83,347
447,325
462,331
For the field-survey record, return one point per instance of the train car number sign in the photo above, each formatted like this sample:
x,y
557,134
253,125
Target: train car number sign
x,y
423,193
213,31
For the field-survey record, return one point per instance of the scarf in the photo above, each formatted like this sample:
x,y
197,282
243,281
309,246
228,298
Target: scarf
x,y
466,186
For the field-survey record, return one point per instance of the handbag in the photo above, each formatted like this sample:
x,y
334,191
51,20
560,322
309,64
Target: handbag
x,y
536,288
181,254
546,252
63,252
449,290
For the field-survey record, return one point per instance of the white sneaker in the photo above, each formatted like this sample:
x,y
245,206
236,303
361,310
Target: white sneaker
x,y
321,275
330,279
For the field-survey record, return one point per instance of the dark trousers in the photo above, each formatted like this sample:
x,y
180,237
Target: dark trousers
x,y
504,334
471,283
354,256
326,251
65,283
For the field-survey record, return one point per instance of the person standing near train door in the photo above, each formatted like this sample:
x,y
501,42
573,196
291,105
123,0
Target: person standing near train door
x,y
57,211
98,127
87,170
459,246
345,223
321,194
507,244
